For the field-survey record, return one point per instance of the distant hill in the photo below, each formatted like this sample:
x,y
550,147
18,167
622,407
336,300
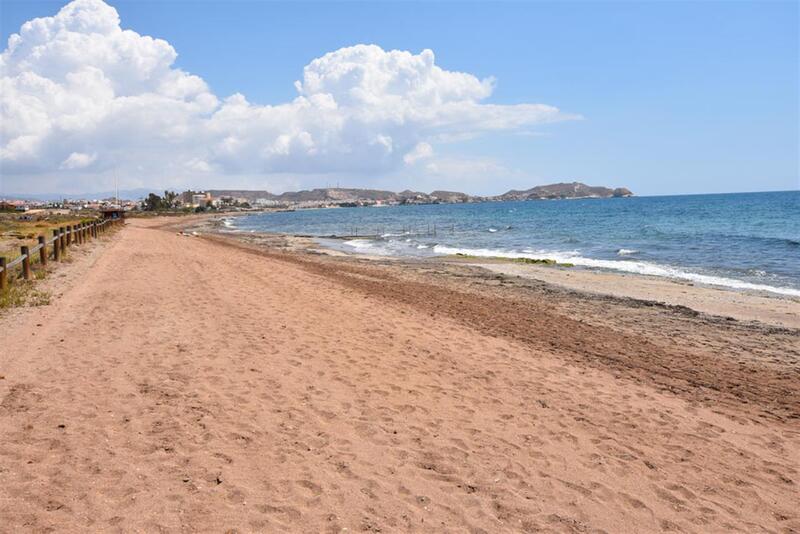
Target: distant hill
x,y
330,194
345,195
338,195
564,190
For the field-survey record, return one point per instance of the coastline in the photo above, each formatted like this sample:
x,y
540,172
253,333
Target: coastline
x,y
741,304
190,381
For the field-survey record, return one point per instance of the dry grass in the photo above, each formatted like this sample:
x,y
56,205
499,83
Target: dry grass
x,y
22,293
15,233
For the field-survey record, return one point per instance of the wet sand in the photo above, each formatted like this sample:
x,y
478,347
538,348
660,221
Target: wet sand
x,y
202,384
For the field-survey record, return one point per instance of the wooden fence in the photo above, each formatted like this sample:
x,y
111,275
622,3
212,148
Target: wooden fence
x,y
56,247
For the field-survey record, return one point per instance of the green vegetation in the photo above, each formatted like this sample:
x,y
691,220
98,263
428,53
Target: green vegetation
x,y
533,261
155,202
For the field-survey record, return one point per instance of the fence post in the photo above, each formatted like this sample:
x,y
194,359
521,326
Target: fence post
x,y
62,241
69,234
3,273
26,263
43,251
56,248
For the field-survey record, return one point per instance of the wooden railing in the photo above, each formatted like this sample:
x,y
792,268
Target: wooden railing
x,y
56,247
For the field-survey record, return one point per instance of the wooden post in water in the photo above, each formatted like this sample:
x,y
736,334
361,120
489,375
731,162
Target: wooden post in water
x,y
43,251
56,247
26,262
3,273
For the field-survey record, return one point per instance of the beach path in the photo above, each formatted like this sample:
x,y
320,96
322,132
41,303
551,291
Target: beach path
x,y
182,385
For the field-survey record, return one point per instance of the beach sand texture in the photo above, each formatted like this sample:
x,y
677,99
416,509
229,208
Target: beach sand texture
x,y
181,384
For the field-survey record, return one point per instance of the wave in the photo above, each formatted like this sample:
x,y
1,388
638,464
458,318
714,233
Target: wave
x,y
626,252
636,267
359,243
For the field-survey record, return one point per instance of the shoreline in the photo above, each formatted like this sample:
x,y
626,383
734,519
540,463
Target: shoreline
x,y
191,382
741,304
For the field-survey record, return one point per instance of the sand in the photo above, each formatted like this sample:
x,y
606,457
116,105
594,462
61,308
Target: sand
x,y
194,384
746,306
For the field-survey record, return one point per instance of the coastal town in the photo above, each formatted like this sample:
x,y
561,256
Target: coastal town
x,y
244,200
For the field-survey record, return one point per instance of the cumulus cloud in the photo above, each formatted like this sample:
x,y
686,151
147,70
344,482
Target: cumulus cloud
x,y
76,160
81,94
421,151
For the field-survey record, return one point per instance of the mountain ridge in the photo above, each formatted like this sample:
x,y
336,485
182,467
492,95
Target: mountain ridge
x,y
561,190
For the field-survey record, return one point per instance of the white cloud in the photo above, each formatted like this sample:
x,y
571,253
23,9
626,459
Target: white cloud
x,y
79,93
423,150
77,160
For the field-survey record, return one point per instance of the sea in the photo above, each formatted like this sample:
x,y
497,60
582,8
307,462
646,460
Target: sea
x,y
742,241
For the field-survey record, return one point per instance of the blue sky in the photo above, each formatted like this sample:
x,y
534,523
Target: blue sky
x,y
676,97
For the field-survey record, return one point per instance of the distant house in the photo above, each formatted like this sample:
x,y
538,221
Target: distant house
x,y
195,198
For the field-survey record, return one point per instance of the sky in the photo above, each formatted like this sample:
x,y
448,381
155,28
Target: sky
x,y
482,97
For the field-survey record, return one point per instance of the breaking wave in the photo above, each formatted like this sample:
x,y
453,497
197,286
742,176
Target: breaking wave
x,y
636,267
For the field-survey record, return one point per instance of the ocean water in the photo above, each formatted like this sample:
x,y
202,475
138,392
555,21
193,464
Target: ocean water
x,y
747,241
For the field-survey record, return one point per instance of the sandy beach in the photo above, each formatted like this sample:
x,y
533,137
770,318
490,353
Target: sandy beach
x,y
180,383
